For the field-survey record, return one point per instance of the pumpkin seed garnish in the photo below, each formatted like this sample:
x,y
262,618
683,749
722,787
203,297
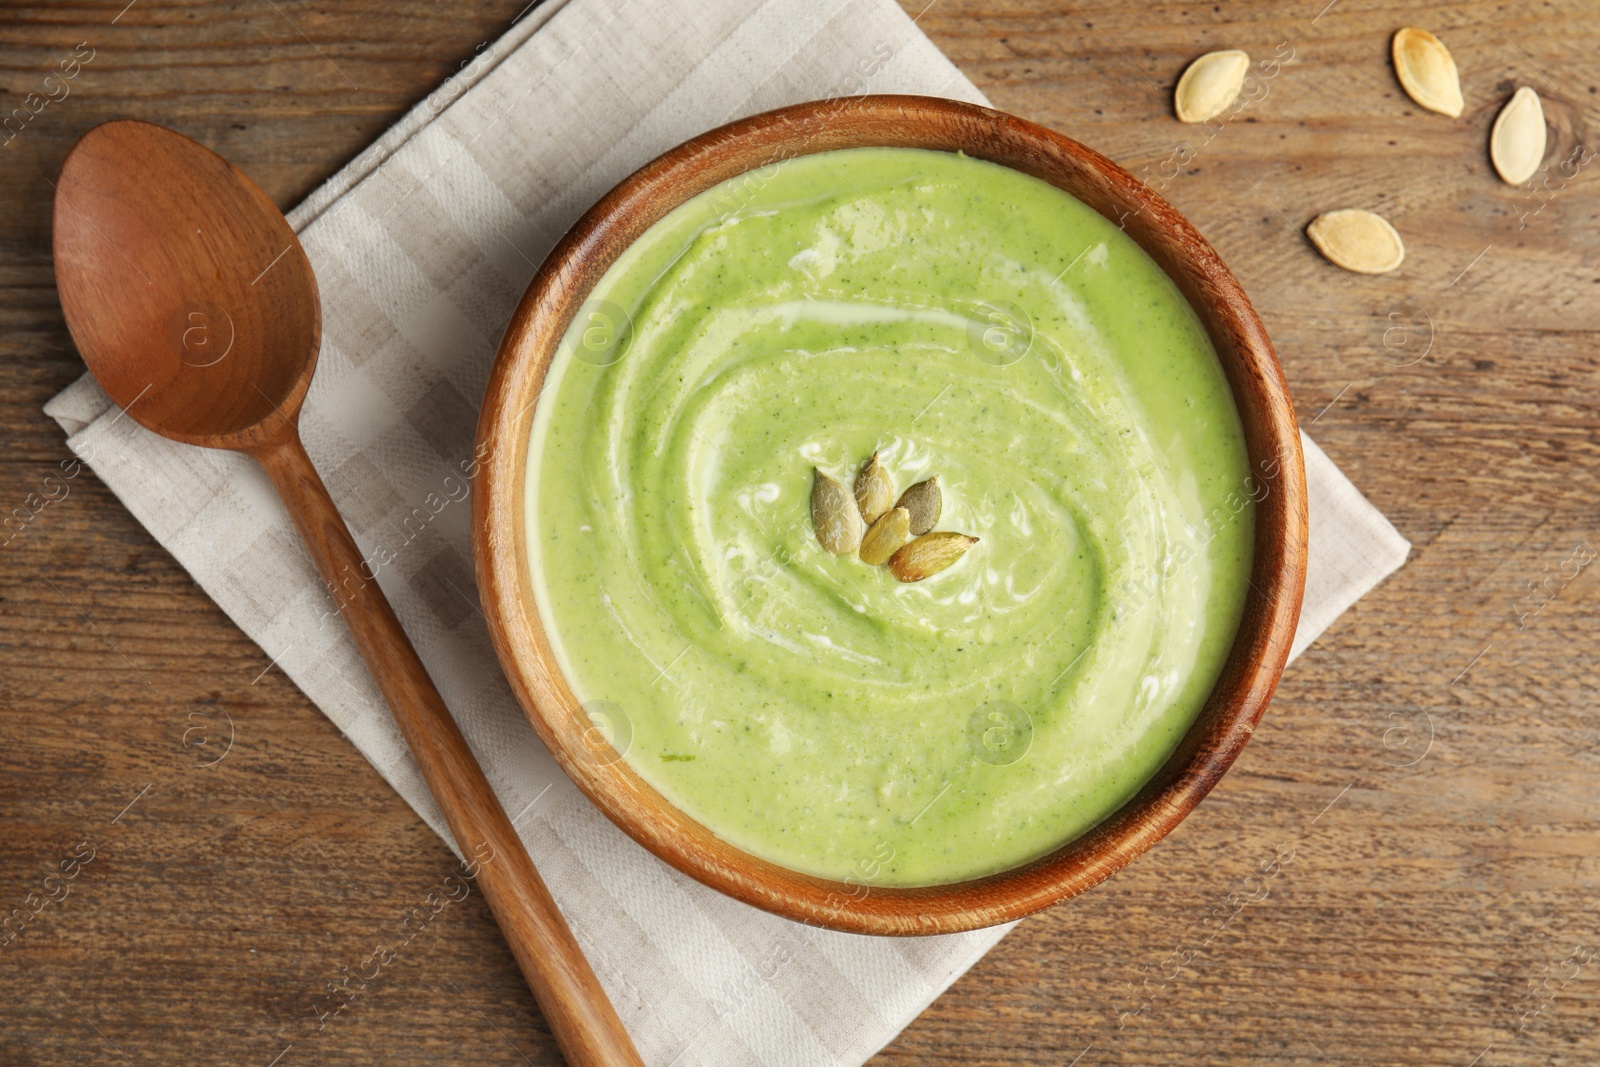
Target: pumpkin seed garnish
x,y
874,490
886,536
898,536
929,554
834,515
1427,72
924,502
1210,85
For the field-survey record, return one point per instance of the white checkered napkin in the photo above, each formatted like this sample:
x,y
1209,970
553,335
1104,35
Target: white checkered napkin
x,y
422,247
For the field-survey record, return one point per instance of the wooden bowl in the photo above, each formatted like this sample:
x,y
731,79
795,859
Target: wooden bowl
x,y
1271,609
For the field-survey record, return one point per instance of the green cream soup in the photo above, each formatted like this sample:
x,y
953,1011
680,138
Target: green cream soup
x,y
962,320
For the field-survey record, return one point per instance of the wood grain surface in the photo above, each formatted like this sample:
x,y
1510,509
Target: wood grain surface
x,y
1402,866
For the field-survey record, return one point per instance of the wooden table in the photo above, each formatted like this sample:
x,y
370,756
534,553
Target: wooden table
x,y
1421,790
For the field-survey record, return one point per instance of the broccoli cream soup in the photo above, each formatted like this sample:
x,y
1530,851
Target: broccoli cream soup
x,y
918,720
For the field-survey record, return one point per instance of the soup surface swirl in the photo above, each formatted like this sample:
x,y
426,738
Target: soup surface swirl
x,y
962,320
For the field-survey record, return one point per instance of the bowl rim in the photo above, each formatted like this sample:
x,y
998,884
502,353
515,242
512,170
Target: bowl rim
x,y
1255,661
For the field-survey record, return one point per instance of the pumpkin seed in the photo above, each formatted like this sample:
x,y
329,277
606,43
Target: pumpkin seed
x,y
1516,144
1427,72
834,515
929,554
1209,85
924,501
874,490
1357,240
886,536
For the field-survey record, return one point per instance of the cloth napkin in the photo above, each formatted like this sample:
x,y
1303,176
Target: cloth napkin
x,y
422,247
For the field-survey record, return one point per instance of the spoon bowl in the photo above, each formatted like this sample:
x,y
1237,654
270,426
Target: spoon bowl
x,y
217,321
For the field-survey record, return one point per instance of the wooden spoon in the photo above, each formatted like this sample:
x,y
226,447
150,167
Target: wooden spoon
x,y
195,308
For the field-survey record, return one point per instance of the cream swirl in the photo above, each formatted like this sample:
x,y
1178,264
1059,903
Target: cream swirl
x,y
962,320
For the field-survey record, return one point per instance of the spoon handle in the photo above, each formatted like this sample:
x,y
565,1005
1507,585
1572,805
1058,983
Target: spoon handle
x,y
585,1024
